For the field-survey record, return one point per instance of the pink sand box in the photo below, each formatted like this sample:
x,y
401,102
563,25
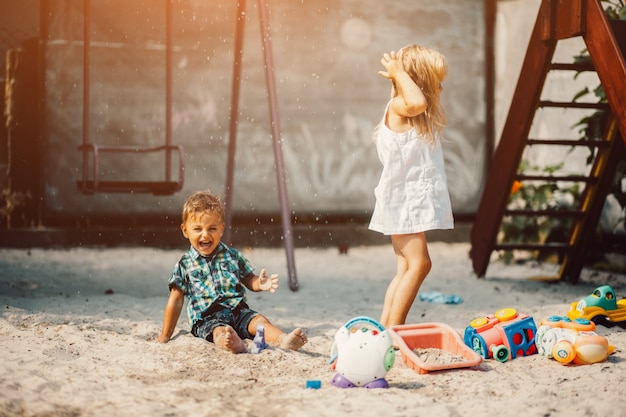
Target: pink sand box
x,y
432,336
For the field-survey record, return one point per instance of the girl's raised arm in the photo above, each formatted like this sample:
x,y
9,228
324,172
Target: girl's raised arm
x,y
408,100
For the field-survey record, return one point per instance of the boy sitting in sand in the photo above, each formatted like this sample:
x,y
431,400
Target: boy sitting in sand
x,y
213,276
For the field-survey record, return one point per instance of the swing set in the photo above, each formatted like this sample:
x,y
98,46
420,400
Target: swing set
x,y
92,180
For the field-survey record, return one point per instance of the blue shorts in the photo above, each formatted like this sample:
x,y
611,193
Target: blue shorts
x,y
238,318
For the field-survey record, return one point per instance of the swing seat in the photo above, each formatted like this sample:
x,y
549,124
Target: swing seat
x,y
94,184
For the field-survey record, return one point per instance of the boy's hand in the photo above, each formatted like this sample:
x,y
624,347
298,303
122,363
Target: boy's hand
x,y
268,283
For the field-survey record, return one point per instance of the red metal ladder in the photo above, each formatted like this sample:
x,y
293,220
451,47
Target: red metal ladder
x,y
556,20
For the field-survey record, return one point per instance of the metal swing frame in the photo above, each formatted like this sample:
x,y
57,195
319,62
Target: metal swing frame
x,y
275,124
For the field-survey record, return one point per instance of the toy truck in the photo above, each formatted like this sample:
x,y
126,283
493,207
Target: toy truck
x,y
502,336
601,307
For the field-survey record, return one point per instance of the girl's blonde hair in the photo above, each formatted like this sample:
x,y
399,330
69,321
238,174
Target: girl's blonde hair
x,y
427,68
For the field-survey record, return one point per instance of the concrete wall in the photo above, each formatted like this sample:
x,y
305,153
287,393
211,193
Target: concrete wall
x,y
326,55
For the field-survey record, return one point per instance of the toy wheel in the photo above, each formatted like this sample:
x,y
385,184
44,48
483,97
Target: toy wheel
x,y
500,353
603,321
479,347
506,314
563,352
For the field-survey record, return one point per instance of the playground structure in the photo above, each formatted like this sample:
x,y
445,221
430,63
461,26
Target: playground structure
x,y
91,181
556,21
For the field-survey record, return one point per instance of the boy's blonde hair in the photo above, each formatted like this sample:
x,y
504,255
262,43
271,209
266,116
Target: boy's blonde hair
x,y
202,201
427,68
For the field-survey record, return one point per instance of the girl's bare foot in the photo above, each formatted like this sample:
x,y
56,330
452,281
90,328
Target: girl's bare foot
x,y
227,339
294,340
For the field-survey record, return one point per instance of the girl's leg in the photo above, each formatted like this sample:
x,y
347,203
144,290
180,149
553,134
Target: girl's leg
x,y
275,336
401,268
412,251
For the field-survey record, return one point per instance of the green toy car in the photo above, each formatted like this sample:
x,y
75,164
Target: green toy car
x,y
601,307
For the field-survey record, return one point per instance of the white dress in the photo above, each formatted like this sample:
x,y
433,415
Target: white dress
x,y
412,194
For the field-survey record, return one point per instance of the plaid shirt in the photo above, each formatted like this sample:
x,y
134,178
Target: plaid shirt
x,y
211,281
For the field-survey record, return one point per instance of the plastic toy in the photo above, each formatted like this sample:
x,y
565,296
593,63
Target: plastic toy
x,y
361,354
259,340
571,341
504,335
601,307
432,335
313,384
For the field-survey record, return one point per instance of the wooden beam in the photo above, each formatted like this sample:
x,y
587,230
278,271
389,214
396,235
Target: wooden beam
x,y
608,60
561,19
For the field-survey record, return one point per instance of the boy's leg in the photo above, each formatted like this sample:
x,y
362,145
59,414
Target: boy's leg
x,y
414,250
275,336
226,338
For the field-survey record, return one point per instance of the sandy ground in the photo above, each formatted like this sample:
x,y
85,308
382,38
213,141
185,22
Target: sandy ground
x,y
77,329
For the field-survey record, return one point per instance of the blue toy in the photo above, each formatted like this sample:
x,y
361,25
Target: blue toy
x,y
502,336
313,384
259,340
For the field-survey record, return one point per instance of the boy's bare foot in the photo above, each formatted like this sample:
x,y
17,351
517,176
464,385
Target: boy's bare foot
x,y
227,339
294,340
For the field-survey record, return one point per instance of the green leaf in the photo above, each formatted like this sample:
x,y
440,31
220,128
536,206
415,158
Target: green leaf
x,y
581,93
599,92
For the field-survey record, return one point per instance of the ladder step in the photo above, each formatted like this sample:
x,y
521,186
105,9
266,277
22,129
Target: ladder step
x,y
554,246
565,66
569,142
552,213
573,105
555,178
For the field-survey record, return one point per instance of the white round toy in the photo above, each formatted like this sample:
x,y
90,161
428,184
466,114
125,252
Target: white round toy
x,y
361,354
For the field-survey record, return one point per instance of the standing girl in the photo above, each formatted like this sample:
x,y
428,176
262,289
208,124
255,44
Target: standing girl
x,y
412,194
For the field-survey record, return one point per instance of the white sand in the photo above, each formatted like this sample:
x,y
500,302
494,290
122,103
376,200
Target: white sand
x,y
70,349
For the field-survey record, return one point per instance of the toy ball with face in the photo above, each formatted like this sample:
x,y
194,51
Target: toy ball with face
x,y
362,355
